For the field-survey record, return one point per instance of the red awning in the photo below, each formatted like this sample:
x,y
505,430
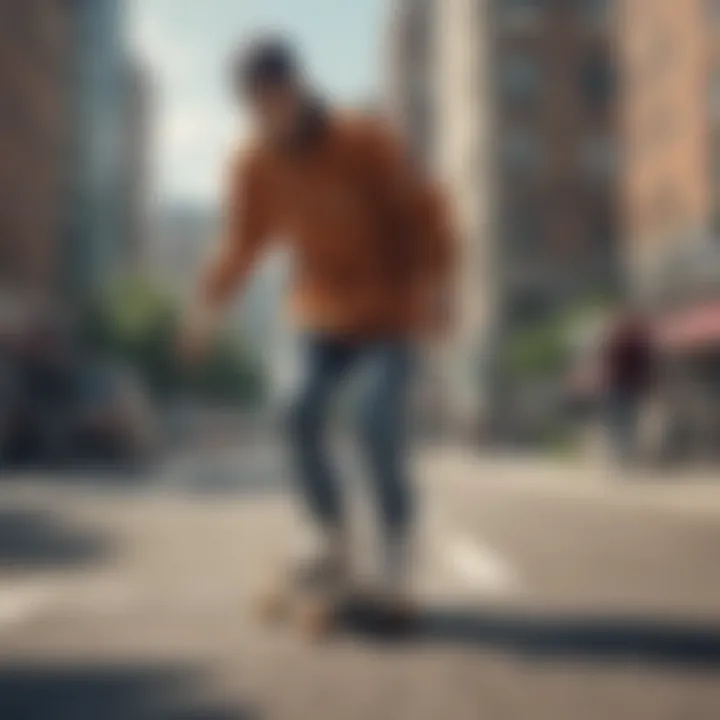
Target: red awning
x,y
690,329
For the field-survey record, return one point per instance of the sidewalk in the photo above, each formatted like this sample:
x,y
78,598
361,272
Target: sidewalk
x,y
696,490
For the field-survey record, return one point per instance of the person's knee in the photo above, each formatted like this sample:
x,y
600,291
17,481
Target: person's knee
x,y
382,439
374,424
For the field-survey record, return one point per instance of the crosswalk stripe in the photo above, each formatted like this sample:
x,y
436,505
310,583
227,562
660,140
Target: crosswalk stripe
x,y
19,604
479,566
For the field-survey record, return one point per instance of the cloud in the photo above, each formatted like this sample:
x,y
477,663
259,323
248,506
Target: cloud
x,y
194,145
185,44
196,127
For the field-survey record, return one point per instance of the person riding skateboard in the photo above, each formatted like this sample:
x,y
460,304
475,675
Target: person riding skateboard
x,y
373,258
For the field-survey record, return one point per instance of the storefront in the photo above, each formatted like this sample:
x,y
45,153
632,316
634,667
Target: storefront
x,y
685,408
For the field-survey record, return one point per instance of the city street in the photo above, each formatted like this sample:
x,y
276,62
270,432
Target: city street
x,y
550,590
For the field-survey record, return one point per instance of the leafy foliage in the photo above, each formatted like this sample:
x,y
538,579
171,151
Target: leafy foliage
x,y
135,323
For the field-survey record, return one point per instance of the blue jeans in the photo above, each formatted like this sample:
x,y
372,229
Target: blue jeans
x,y
382,426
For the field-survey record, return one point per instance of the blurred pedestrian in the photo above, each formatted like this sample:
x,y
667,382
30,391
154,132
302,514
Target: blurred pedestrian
x,y
629,366
373,257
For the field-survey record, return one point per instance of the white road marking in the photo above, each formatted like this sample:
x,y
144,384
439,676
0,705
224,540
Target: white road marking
x,y
468,560
20,604
479,566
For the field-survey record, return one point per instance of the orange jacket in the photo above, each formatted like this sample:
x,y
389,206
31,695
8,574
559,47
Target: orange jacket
x,y
370,237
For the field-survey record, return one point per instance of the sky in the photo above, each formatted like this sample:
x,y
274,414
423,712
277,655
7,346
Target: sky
x,y
185,45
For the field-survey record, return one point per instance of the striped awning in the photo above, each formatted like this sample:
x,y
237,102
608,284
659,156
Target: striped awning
x,y
692,328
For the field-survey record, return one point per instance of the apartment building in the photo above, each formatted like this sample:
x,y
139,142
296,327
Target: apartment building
x,y
410,97
668,55
555,152
579,140
98,244
35,99
68,179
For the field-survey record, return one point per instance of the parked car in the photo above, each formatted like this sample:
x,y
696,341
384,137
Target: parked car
x,y
60,408
114,418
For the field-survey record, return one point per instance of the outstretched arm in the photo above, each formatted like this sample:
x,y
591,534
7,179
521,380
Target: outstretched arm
x,y
246,231
245,234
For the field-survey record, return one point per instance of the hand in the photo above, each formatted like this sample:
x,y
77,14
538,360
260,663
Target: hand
x,y
195,338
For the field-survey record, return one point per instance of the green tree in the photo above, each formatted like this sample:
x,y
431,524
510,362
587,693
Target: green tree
x,y
135,323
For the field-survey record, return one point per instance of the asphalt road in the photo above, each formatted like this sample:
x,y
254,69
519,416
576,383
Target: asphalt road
x,y
548,590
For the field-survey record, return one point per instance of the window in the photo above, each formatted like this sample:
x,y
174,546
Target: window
x,y
599,157
521,151
597,79
603,231
520,79
595,13
523,233
519,14
528,306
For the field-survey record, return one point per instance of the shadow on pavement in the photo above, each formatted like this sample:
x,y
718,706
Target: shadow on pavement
x,y
220,474
580,639
123,692
37,540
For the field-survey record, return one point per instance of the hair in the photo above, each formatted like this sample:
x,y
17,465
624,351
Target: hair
x,y
263,62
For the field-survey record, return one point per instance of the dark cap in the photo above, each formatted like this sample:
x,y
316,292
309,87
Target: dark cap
x,y
265,61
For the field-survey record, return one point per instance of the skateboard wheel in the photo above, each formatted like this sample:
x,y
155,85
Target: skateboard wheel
x,y
271,607
316,619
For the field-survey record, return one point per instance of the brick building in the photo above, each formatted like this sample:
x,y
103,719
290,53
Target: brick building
x,y
554,153
74,134
35,101
668,59
579,140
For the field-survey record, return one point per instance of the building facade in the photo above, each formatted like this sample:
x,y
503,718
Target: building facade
x,y
668,57
410,93
713,109
65,167
35,102
579,142
137,134
463,128
97,224
555,151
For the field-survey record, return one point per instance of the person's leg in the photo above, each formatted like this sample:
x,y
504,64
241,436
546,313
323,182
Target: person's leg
x,y
384,432
326,364
612,425
632,427
620,425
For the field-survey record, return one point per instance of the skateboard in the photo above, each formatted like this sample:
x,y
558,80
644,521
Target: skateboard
x,y
319,614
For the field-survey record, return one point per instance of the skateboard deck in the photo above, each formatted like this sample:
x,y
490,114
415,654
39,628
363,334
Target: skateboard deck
x,y
315,613
318,614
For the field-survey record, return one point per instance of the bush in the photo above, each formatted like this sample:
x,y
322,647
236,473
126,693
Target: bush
x,y
136,324
542,349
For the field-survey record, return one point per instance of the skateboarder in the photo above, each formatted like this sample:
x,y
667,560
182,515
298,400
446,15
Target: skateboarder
x,y
372,268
